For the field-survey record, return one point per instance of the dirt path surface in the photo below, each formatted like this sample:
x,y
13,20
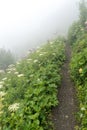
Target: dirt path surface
x,y
64,113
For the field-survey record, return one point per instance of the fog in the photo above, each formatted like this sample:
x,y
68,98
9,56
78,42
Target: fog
x,y
26,24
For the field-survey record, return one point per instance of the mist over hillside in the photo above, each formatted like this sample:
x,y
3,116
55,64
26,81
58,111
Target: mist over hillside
x,y
27,24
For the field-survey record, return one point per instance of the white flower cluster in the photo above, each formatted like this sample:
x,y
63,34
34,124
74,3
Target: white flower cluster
x,y
4,79
18,63
9,70
16,72
83,109
20,75
35,61
51,43
41,54
29,60
11,66
2,94
14,107
54,54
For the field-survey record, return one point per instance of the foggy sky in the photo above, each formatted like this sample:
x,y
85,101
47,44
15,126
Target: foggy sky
x,y
28,23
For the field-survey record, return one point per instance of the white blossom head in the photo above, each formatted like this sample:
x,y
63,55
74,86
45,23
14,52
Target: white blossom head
x,y
14,107
2,94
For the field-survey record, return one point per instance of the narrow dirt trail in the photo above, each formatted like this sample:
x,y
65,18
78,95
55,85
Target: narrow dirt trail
x,y
64,113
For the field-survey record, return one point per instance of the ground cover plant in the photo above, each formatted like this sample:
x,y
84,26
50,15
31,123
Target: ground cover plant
x,y
78,68
28,90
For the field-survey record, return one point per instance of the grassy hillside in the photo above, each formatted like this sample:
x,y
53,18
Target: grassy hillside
x,y
28,90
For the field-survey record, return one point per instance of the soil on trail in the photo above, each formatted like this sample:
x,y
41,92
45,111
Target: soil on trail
x,y
63,115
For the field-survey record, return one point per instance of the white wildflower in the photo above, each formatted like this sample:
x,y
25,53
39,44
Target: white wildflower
x,y
29,59
2,82
45,52
9,72
83,109
16,73
54,53
14,107
10,66
2,93
51,43
4,79
31,75
38,80
35,61
18,63
20,75
41,55
85,22
82,29
81,115
11,69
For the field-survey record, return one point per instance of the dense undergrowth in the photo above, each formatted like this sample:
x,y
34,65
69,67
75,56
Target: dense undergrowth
x,y
28,90
78,67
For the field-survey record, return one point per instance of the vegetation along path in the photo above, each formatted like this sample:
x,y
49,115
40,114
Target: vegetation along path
x,y
64,113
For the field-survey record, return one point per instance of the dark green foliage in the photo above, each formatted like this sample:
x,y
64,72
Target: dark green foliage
x,y
83,12
78,66
6,58
75,32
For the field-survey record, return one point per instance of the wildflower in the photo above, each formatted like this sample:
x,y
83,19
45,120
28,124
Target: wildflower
x,y
38,80
2,82
82,29
14,107
83,109
4,79
45,52
16,73
13,69
35,61
54,54
10,66
9,72
85,22
41,55
81,115
20,75
51,43
18,63
80,70
31,75
29,59
2,93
